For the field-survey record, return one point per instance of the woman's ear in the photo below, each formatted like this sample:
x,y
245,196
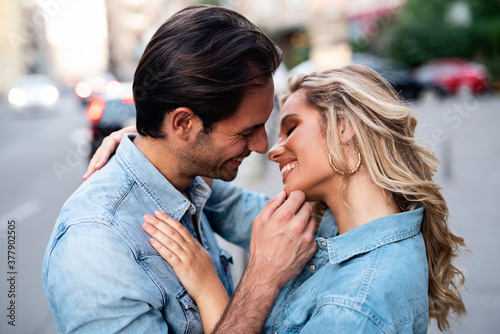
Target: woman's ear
x,y
345,131
184,123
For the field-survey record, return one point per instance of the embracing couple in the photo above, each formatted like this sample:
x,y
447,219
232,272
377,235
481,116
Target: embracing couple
x,y
134,251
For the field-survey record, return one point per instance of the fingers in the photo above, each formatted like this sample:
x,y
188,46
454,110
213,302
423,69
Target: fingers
x,y
169,237
101,156
108,146
288,209
163,241
173,226
128,129
171,257
272,206
295,201
304,214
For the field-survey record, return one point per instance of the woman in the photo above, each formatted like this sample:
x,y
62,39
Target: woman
x,y
384,254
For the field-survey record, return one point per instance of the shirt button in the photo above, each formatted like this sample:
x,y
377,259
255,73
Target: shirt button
x,y
312,267
323,243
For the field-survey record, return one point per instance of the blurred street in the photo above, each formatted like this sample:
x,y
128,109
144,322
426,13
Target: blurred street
x,y
40,167
44,156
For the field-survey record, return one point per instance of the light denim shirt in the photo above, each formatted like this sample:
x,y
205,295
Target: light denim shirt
x,y
100,273
372,279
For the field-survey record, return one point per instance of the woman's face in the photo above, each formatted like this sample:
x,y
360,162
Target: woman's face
x,y
301,150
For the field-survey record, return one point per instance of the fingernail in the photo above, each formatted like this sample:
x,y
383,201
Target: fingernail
x,y
148,218
158,213
97,165
147,226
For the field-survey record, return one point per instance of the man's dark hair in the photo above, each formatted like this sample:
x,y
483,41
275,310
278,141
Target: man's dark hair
x,y
204,58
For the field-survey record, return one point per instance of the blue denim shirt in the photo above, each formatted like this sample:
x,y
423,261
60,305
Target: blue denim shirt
x,y
100,273
372,279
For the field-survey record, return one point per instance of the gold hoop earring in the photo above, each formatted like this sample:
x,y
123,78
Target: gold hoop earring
x,y
350,172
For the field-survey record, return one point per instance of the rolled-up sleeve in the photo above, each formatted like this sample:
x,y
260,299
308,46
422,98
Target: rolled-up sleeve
x,y
94,285
231,210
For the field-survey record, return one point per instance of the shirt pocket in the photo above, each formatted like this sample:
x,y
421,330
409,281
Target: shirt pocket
x,y
226,259
191,312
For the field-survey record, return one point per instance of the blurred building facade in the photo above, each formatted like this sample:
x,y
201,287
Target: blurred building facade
x,y
321,26
131,23
328,25
23,47
9,62
318,29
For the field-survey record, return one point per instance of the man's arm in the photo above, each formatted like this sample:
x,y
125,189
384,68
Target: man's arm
x,y
231,210
94,285
282,242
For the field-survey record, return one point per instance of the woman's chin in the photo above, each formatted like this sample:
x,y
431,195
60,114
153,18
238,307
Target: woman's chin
x,y
289,189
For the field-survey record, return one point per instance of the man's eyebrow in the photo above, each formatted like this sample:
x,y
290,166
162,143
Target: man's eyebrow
x,y
253,127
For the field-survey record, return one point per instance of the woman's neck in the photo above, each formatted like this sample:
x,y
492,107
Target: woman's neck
x,y
365,202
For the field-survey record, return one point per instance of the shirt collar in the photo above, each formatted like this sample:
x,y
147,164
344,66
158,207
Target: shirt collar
x,y
369,236
155,185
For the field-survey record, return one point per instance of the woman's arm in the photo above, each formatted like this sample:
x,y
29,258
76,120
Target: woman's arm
x,y
108,146
191,263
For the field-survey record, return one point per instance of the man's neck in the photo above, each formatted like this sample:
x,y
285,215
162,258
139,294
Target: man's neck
x,y
161,157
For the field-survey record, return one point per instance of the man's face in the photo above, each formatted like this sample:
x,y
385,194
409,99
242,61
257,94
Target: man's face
x,y
219,154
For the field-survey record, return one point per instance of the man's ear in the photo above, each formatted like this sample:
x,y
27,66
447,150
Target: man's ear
x,y
184,123
345,131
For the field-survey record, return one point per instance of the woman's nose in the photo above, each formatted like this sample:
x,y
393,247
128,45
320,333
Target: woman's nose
x,y
276,150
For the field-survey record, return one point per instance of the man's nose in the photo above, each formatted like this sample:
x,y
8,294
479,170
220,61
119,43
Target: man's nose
x,y
258,142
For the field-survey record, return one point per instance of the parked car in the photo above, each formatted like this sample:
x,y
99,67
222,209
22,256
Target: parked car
x,y
98,84
454,75
107,115
400,77
34,93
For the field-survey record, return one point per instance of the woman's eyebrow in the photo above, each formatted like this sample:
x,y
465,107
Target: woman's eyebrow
x,y
286,118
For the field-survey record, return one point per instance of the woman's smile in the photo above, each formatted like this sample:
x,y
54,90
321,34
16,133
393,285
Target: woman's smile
x,y
287,167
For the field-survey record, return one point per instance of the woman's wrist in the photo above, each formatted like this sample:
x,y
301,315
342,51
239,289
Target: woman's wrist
x,y
212,305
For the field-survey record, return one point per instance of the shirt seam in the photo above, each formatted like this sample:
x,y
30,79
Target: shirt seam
x,y
121,161
336,259
125,241
368,275
379,323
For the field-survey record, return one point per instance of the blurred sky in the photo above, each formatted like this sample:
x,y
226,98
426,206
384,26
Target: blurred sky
x,y
77,36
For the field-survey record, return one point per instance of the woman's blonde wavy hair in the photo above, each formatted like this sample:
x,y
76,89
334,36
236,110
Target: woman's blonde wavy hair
x,y
385,130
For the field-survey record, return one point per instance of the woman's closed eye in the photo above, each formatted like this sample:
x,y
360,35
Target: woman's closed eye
x,y
290,130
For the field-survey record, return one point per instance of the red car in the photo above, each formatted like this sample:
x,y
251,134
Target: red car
x,y
454,75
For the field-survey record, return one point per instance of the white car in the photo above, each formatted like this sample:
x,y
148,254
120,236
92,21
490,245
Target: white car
x,y
34,92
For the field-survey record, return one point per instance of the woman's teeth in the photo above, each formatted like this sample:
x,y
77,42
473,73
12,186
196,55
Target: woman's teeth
x,y
288,167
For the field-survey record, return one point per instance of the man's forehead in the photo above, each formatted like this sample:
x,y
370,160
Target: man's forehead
x,y
254,110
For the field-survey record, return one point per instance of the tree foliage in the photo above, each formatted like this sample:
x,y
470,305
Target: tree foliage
x,y
427,29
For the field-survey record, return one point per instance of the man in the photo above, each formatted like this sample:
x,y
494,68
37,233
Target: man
x,y
203,91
